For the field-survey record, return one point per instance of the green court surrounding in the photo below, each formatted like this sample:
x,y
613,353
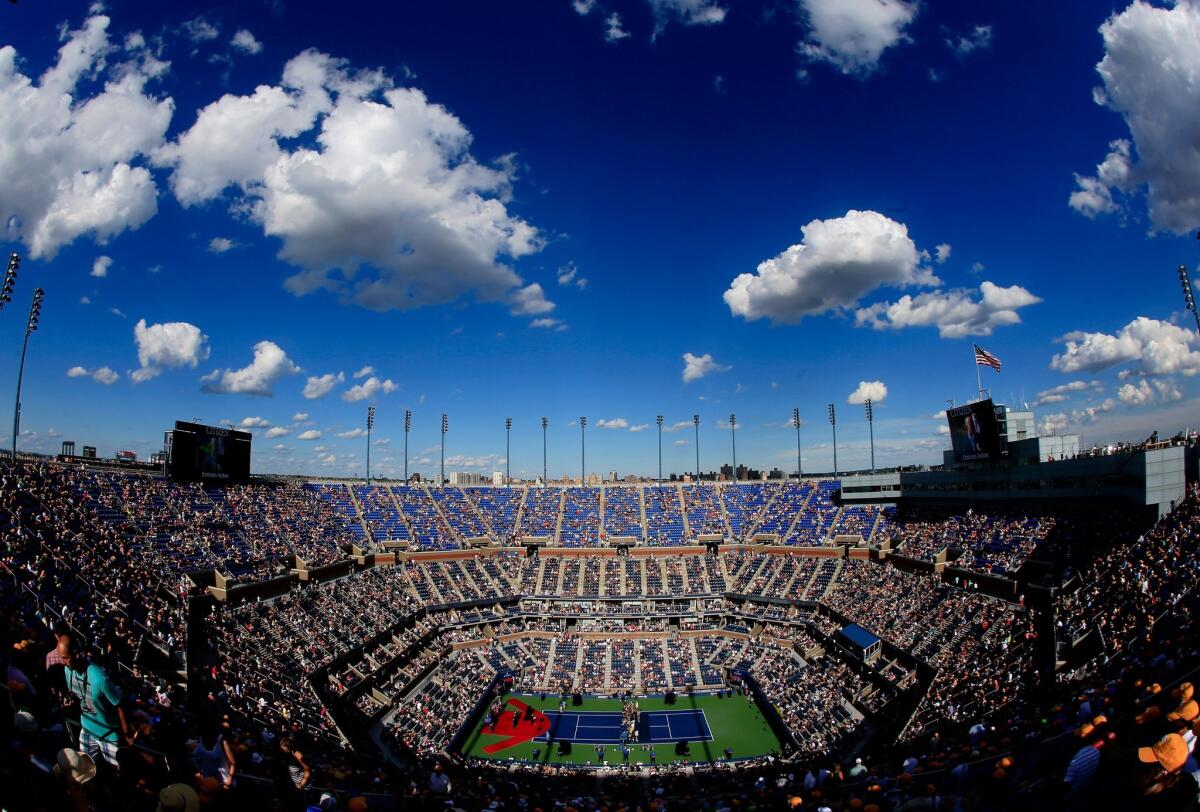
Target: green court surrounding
x,y
735,722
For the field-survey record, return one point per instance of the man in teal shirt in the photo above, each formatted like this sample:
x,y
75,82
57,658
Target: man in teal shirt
x,y
104,727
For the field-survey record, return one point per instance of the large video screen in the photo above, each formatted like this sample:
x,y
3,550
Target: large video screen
x,y
209,453
975,432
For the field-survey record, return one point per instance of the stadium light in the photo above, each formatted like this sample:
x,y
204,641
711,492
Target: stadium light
x,y
796,424
407,429
733,439
545,423
696,423
871,428
10,278
1189,301
507,450
833,422
445,427
582,450
659,421
370,425
35,313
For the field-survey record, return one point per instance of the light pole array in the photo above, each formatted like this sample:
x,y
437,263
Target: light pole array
x,y
659,421
733,439
508,451
445,427
407,429
582,450
871,428
35,313
1189,300
545,423
833,423
10,278
796,425
696,423
370,425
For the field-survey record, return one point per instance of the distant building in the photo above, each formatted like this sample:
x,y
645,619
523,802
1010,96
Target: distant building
x,y
466,478
498,478
776,474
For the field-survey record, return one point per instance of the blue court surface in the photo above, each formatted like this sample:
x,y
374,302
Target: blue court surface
x,y
596,727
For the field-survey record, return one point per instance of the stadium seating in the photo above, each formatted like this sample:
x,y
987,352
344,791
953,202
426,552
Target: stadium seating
x,y
401,651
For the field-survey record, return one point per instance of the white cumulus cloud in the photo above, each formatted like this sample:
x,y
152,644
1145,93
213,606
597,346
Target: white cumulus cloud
x,y
278,431
167,346
875,391
1148,346
103,375
696,367
953,312
687,12
1057,394
352,433
852,35
100,267
364,372
311,434
1150,76
1149,391
69,163
941,252
371,188
318,386
219,245
269,365
614,423
836,263
530,301
613,30
978,38
254,422
368,389
246,42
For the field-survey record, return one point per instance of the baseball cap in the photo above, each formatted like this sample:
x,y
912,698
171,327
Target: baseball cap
x,y
1170,752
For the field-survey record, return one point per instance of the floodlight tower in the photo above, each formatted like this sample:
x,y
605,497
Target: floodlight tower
x,y
582,450
35,313
407,429
733,439
796,425
445,428
10,278
833,423
370,425
508,451
696,423
659,421
1189,301
871,428
545,423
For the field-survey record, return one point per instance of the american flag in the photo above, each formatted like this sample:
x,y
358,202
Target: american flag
x,y
985,358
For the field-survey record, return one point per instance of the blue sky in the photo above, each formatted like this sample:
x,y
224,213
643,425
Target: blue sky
x,y
543,208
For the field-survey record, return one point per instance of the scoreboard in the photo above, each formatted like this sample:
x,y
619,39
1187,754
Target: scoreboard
x,y
208,453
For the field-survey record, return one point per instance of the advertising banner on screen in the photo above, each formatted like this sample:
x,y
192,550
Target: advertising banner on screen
x,y
207,453
975,432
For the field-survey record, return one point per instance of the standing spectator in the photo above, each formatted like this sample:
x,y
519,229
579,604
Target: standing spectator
x,y
439,782
214,758
103,727
298,771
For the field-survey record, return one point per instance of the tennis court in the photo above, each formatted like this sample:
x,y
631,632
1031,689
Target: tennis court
x,y
598,727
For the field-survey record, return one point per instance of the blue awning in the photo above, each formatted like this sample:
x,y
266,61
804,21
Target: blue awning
x,y
859,636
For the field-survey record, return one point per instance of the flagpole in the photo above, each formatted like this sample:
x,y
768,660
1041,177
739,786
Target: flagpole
x,y
978,380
